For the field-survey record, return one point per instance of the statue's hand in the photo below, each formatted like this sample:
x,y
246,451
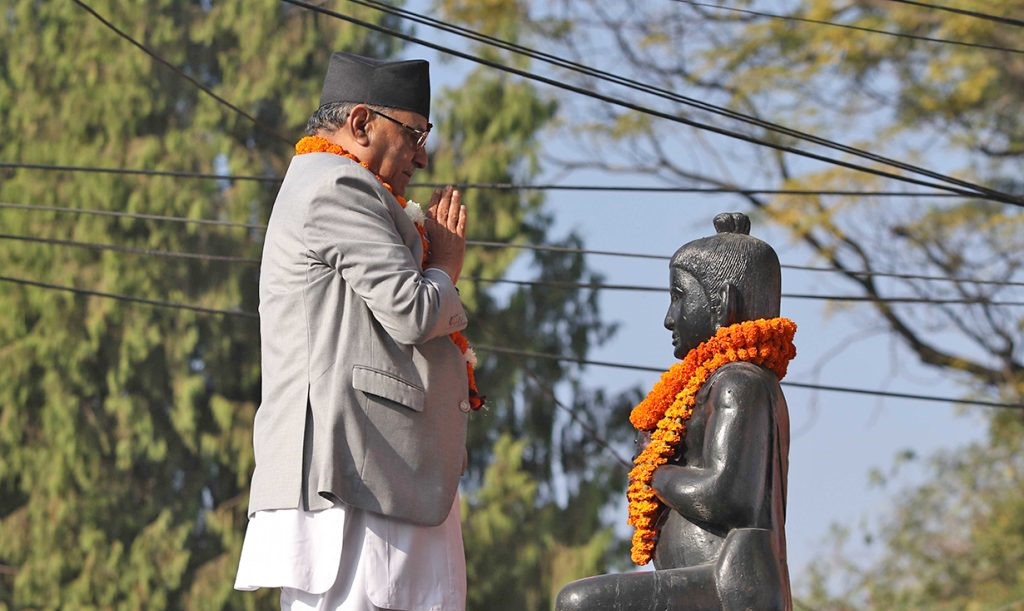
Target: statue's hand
x,y
661,480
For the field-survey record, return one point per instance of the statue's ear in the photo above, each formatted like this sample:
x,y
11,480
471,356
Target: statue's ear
x,y
731,300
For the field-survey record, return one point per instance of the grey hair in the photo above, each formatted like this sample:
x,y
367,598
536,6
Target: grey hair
x,y
332,116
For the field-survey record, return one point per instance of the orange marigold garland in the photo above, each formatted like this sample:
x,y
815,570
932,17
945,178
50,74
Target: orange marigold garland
x,y
668,406
318,144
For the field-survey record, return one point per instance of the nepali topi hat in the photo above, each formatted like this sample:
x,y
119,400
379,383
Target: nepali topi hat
x,y
395,84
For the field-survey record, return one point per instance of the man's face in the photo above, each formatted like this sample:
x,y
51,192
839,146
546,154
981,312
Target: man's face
x,y
689,317
395,153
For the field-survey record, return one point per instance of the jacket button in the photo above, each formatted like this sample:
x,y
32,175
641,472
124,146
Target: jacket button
x,y
464,405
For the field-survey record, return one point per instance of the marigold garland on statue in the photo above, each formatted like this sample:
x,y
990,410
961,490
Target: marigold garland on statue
x,y
668,406
318,144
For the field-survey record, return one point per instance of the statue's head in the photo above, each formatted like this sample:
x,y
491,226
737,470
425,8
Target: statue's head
x,y
721,280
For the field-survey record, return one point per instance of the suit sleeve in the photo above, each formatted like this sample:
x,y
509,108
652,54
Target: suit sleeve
x,y
352,231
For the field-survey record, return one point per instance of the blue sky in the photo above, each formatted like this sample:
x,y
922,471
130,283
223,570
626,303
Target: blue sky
x,y
837,439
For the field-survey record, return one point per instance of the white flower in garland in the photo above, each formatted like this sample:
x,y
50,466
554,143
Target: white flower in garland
x,y
415,212
470,356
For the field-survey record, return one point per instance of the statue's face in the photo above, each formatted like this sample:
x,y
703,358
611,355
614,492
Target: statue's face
x,y
690,317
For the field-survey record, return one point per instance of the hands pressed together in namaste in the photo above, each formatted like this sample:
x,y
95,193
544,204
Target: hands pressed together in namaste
x,y
446,230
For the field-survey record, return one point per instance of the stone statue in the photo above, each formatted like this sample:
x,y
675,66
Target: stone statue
x,y
708,489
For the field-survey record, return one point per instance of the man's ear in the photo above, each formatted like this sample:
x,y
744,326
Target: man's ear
x,y
359,116
732,305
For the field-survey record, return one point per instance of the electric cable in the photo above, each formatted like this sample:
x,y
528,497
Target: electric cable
x,y
135,172
657,289
903,300
200,309
822,387
501,186
119,297
852,27
574,415
496,349
975,190
179,71
130,215
960,11
545,283
904,276
132,250
511,245
576,67
567,249
806,268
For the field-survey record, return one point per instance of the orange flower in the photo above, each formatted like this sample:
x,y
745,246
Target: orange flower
x,y
669,405
318,144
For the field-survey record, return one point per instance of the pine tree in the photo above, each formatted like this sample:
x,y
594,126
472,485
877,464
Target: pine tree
x,y
125,429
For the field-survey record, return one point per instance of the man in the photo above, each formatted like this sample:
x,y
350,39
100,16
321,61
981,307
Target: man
x,y
708,492
360,437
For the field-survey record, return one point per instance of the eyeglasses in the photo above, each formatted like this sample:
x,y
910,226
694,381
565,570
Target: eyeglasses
x,y
419,134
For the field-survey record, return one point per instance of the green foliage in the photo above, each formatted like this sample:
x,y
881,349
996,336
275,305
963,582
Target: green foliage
x,y
125,430
572,476
511,539
954,542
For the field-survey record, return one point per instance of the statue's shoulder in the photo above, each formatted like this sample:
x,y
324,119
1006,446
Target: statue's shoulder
x,y
740,384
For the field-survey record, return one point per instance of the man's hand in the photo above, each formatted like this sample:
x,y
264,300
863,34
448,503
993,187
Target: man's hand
x,y
446,230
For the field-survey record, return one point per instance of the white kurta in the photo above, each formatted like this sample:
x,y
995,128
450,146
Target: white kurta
x,y
400,565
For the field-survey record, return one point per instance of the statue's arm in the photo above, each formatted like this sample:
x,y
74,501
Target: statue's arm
x,y
729,487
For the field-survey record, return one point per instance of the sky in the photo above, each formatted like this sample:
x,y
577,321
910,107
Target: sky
x,y
838,440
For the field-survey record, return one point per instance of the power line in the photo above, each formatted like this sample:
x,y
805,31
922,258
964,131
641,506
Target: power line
x,y
580,68
131,249
853,27
499,186
842,389
502,186
567,249
902,395
141,300
658,289
512,245
233,107
179,71
134,172
806,268
586,426
903,276
960,11
976,190
130,215
495,349
546,283
906,300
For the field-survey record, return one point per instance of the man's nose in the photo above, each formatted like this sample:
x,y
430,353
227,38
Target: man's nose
x,y
420,159
670,321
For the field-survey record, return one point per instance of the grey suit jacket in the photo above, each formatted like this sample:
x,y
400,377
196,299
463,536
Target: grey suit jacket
x,y
365,398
